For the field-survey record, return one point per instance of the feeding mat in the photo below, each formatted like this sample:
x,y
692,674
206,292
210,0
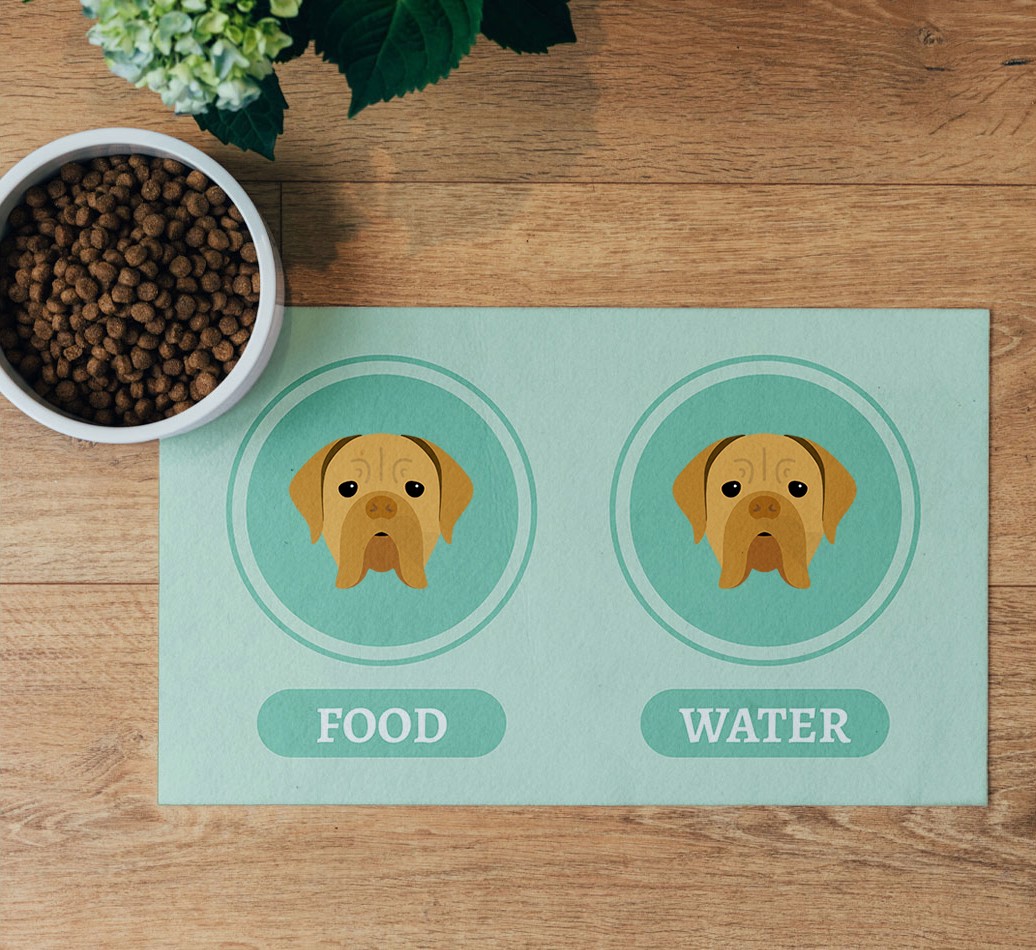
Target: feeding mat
x,y
584,557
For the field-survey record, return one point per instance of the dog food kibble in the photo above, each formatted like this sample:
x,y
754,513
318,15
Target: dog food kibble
x,y
128,288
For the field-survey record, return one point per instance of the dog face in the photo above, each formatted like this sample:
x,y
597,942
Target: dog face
x,y
381,502
764,502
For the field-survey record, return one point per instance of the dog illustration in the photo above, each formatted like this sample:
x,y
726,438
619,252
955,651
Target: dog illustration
x,y
764,502
381,501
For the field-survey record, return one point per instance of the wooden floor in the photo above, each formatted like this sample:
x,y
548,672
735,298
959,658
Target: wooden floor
x,y
696,153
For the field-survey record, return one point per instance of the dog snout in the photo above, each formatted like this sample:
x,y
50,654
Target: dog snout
x,y
764,506
381,506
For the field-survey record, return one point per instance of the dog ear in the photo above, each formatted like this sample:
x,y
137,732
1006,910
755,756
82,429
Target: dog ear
x,y
839,489
307,487
455,488
689,487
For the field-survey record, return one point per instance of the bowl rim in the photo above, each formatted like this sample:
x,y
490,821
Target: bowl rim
x,y
103,142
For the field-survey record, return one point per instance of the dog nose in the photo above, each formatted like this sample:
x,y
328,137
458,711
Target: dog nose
x,y
764,506
381,506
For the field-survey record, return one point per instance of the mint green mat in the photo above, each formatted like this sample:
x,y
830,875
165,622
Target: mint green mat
x,y
536,623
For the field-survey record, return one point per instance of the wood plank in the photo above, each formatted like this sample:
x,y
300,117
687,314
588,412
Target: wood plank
x,y
84,838
582,245
700,246
816,91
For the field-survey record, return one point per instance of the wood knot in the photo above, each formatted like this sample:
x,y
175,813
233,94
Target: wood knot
x,y
928,35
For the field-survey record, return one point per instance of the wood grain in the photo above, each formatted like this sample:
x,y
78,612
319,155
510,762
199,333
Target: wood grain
x,y
87,843
824,153
700,91
540,245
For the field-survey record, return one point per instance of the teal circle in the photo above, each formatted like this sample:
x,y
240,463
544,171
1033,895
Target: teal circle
x,y
764,612
381,611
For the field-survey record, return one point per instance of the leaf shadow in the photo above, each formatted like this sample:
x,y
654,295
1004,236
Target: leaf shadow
x,y
496,126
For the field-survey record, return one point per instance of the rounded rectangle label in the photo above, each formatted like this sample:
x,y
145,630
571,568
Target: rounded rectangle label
x,y
764,723
381,723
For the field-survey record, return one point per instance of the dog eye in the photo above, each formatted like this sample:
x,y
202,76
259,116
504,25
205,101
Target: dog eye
x,y
414,489
731,489
347,489
797,489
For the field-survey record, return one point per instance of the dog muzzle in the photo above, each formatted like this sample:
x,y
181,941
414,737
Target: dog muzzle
x,y
764,533
381,533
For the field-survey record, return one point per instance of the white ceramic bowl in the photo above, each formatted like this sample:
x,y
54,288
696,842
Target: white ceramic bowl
x,y
42,165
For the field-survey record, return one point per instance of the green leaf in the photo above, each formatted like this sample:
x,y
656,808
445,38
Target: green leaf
x,y
387,48
527,26
300,29
254,127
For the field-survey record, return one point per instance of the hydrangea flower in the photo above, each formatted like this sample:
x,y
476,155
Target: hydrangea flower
x,y
194,53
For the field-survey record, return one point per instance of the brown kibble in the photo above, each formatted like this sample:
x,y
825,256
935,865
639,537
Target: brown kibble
x,y
87,289
196,204
142,312
197,361
72,172
65,391
210,282
122,294
141,358
248,253
104,272
36,197
153,225
223,351
172,191
202,385
242,285
173,367
104,203
185,306
179,266
151,190
135,255
197,181
228,326
147,291
122,365
209,337
129,277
